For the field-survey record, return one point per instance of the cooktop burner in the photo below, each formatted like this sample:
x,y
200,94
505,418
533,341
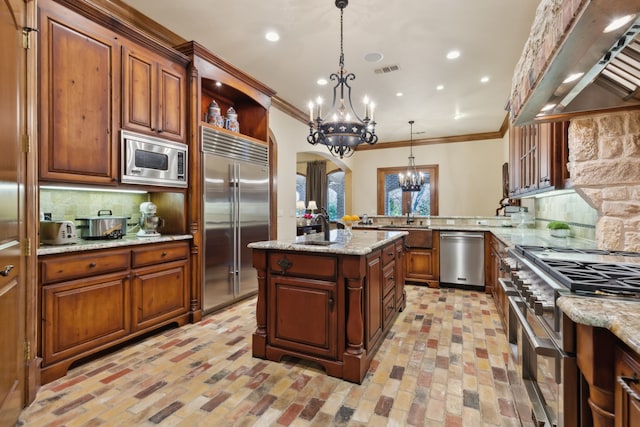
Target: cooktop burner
x,y
591,271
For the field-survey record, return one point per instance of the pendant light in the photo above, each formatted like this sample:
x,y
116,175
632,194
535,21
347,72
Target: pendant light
x,y
412,180
341,129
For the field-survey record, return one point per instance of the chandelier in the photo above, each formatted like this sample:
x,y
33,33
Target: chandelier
x,y
412,180
341,128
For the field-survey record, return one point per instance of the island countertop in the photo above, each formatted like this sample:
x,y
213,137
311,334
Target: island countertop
x,y
360,242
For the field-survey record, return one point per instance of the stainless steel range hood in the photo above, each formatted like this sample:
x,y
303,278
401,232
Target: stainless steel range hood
x,y
609,63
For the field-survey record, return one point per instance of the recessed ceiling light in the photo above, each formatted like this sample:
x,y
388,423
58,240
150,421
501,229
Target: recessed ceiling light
x,y
218,84
272,36
322,81
453,54
484,79
619,23
458,116
399,93
373,57
440,87
572,77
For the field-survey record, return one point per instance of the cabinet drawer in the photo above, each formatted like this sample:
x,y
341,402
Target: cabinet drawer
x,y
311,266
388,253
388,281
82,265
159,254
388,309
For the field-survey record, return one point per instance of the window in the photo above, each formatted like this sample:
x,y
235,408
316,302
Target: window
x,y
335,195
392,201
301,187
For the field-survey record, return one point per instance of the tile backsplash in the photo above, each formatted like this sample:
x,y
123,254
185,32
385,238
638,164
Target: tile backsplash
x,y
570,208
72,204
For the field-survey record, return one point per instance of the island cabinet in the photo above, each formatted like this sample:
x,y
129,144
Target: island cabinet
x,y
627,387
330,308
96,299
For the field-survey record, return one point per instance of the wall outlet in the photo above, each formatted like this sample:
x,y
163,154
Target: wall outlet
x,y
482,222
451,222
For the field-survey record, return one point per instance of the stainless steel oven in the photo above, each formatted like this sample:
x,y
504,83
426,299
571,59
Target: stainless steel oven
x,y
549,374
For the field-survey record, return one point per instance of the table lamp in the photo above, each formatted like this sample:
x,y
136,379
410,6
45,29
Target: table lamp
x,y
299,207
312,206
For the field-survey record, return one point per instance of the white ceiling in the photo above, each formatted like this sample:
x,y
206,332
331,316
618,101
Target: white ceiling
x,y
413,34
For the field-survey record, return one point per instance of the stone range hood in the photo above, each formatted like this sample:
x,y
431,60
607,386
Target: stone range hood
x,y
566,38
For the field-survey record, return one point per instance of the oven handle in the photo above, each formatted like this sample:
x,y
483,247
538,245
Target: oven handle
x,y
541,346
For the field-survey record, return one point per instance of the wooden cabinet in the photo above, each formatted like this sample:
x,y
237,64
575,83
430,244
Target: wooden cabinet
x,y
332,309
422,264
96,299
538,155
627,387
401,298
153,94
96,80
78,98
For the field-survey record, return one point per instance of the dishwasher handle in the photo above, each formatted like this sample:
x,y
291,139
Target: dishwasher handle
x,y
461,236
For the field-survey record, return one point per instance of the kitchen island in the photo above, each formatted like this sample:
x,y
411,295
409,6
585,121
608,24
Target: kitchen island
x,y
331,304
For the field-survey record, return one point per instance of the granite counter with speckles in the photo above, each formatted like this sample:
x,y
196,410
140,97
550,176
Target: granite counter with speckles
x,y
621,317
89,245
358,242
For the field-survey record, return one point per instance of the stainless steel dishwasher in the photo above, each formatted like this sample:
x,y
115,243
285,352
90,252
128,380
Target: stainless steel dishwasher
x,y
462,259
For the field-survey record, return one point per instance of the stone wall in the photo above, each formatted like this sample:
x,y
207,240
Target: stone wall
x,y
604,164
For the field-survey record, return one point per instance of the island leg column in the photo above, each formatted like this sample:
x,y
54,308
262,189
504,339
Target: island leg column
x,y
355,360
259,344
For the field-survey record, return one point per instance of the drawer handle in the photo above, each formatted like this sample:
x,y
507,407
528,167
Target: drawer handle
x,y
390,253
624,383
164,254
92,265
285,264
330,301
5,271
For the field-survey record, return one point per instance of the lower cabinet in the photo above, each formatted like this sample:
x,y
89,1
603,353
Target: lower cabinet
x,y
96,299
422,265
627,388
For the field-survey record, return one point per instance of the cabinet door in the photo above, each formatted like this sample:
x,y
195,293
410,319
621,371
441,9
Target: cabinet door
x,y
627,389
77,89
420,265
373,300
159,293
303,315
154,94
82,315
545,155
399,275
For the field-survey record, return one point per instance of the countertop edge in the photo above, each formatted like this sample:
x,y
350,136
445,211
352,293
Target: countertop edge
x,y
89,245
619,317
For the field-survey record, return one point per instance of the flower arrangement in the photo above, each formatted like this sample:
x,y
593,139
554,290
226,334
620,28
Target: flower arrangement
x,y
307,216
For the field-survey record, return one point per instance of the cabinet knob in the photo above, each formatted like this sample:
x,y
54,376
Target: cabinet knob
x,y
5,271
285,264
164,254
92,265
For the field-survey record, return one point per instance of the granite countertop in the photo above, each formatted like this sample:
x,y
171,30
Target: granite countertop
x,y
88,245
509,235
622,318
360,242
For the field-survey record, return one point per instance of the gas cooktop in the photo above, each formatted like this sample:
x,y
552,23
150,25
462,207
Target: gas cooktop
x,y
592,271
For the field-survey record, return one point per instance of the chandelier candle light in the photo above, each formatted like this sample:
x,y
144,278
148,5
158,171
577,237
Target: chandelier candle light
x,y
341,128
412,180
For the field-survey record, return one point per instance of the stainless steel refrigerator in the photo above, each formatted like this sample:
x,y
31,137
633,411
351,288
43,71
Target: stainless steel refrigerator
x,y
236,213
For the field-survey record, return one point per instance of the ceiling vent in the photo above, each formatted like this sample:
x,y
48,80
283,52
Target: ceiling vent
x,y
387,69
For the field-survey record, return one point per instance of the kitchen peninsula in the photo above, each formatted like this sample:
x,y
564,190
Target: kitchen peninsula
x,y
328,303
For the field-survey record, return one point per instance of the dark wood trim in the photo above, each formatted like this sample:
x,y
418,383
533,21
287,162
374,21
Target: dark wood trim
x,y
432,141
132,26
381,172
273,186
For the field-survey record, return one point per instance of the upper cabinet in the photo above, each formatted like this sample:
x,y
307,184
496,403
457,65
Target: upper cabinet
x,y
99,76
78,98
229,87
538,156
153,94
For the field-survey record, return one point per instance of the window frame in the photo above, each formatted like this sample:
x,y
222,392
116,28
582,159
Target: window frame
x,y
432,170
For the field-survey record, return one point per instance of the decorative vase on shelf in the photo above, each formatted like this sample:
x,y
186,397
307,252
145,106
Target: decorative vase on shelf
x,y
231,122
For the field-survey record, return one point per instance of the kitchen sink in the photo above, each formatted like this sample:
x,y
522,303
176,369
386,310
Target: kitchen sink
x,y
316,243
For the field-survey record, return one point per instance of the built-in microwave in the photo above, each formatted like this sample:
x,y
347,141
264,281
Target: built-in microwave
x,y
152,161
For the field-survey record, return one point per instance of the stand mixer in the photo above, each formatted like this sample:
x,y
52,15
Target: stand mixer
x,y
149,222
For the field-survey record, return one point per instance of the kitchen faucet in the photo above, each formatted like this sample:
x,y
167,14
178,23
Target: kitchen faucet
x,y
324,217
410,217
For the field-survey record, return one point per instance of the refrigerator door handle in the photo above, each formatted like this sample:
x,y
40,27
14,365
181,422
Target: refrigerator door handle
x,y
237,227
